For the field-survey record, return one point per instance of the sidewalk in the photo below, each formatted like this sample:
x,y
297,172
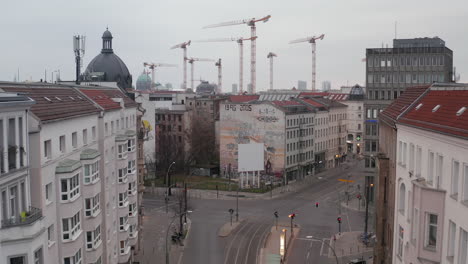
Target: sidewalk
x,y
270,254
348,246
293,186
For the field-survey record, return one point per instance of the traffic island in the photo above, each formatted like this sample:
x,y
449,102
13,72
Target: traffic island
x,y
227,228
278,244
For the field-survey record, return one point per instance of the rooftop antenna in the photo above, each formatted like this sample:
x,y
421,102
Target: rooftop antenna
x,y
79,49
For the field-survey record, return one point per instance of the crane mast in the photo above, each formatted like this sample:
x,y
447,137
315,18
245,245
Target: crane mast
x,y
218,64
191,61
251,23
311,40
184,46
271,55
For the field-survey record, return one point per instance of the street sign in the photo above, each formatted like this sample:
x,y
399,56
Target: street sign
x,y
343,180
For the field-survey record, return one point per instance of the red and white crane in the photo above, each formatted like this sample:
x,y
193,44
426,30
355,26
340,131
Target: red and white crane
x,y
183,46
251,23
311,40
270,56
191,61
239,41
152,66
220,73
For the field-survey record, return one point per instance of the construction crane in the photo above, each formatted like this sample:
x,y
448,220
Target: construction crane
x,y
239,41
183,46
218,64
191,61
311,40
270,56
152,66
251,23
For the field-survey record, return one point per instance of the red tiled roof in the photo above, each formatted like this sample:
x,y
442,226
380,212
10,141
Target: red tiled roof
x,y
399,105
243,98
103,97
55,103
328,95
313,94
314,103
444,119
286,103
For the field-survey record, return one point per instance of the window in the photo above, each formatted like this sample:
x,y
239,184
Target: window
x,y
75,259
463,246
132,209
92,206
418,162
400,242
404,154
17,260
122,151
131,145
38,256
401,204
123,199
414,226
51,234
93,132
62,144
122,175
131,166
430,169
123,223
91,172
48,193
359,126
451,239
465,183
431,230
439,166
74,140
133,231
124,247
85,136
48,149
455,176
131,188
93,238
126,122
106,130
71,227
411,158
70,188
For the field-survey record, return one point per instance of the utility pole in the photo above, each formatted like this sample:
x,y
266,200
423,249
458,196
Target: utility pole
x,y
237,205
185,203
367,209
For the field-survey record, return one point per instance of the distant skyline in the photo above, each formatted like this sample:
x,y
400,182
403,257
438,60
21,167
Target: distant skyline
x,y
37,36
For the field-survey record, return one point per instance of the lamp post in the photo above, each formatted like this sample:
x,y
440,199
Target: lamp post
x,y
168,179
367,211
167,234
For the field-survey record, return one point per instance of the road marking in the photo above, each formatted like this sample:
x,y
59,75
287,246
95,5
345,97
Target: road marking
x,y
250,243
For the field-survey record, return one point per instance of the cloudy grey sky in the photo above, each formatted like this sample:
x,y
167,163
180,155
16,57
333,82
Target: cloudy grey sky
x,y
37,35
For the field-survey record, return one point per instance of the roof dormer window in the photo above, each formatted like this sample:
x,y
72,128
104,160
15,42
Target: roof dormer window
x,y
435,108
460,112
419,106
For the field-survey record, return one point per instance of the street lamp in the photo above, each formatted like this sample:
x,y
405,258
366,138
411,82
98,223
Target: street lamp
x,y
367,211
167,179
167,234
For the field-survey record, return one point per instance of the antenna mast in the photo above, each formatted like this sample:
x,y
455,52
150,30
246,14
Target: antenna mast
x,y
79,49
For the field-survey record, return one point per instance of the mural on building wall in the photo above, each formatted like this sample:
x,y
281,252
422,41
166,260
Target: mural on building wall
x,y
252,123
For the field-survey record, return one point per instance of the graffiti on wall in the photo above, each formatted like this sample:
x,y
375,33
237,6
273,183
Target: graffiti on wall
x,y
252,123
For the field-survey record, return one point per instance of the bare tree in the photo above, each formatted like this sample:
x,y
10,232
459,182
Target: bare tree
x,y
202,141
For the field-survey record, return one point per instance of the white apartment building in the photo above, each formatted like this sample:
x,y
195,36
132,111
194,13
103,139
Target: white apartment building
x,y
431,190
22,236
330,131
83,171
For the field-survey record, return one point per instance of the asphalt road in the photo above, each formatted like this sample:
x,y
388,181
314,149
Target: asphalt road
x,y
243,245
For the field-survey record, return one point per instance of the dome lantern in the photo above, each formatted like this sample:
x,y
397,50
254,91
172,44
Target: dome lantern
x,y
107,42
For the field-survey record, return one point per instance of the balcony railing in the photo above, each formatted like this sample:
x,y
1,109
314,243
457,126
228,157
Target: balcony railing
x,y
25,218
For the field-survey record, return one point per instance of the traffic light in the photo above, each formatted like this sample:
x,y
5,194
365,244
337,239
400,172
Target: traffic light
x,y
292,216
316,204
276,214
339,219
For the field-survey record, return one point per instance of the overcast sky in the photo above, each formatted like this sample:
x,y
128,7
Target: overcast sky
x,y
37,35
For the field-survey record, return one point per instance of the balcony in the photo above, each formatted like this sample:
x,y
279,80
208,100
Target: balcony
x,y
26,218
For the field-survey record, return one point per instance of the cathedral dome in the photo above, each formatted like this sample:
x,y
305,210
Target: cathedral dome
x,y
108,67
143,82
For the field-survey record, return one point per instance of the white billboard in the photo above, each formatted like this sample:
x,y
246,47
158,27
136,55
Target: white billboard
x,y
251,157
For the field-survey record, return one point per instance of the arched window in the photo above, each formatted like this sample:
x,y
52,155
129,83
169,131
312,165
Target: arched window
x,y
401,204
